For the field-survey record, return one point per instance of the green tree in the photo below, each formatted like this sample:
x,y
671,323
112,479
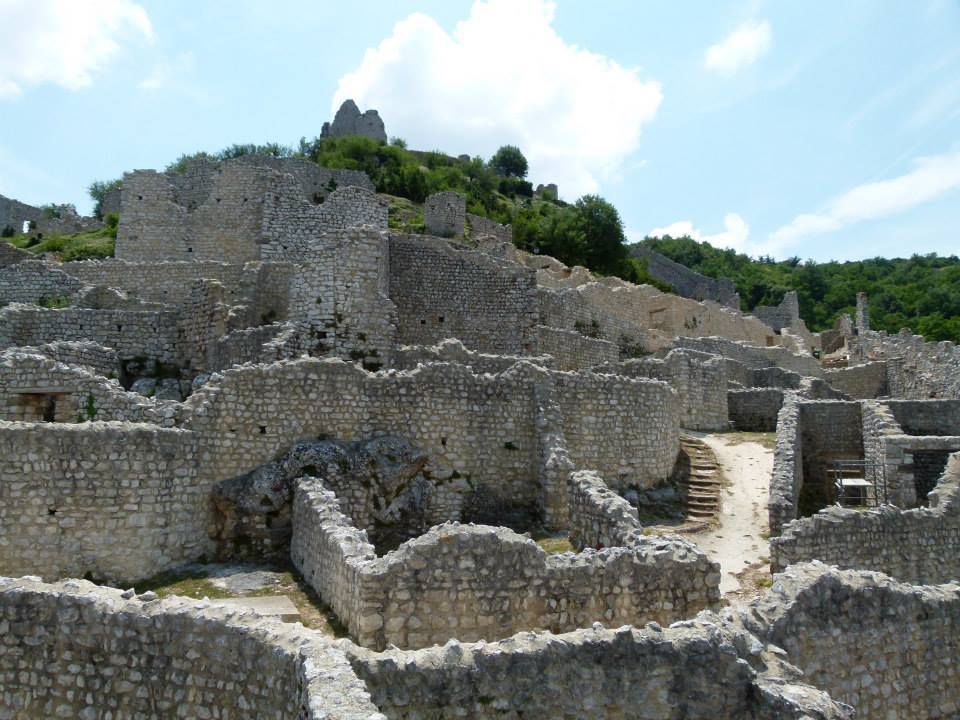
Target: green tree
x,y
98,191
509,161
604,249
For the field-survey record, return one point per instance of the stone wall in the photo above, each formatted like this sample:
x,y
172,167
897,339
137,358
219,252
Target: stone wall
x,y
573,351
14,213
115,654
96,358
408,357
690,670
885,648
112,515
754,356
35,282
225,211
699,380
755,410
34,388
784,315
599,518
685,281
445,214
481,227
829,431
10,255
444,290
131,333
917,546
916,369
786,479
860,382
475,581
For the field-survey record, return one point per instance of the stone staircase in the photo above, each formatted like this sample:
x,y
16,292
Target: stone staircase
x,y
702,485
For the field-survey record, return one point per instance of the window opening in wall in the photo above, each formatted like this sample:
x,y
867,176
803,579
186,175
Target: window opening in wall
x,y
26,226
440,318
423,321
49,409
928,467
263,429
443,441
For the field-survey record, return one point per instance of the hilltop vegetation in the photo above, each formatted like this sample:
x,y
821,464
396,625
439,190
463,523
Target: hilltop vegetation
x,y
922,292
92,245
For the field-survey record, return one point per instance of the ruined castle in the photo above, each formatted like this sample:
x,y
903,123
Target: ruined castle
x,y
266,368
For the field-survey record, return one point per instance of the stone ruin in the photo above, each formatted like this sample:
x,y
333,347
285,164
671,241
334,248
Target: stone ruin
x,y
350,121
266,370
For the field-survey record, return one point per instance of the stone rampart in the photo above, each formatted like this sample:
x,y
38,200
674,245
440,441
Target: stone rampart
x,y
408,357
115,654
687,282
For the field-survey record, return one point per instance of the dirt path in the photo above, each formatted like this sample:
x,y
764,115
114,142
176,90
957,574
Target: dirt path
x,y
740,538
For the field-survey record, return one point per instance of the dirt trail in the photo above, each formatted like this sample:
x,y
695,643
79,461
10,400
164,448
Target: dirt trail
x,y
739,539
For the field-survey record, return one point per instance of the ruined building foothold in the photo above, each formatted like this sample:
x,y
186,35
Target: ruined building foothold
x,y
350,121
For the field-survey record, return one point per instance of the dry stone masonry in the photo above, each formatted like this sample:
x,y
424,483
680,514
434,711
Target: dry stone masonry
x,y
267,371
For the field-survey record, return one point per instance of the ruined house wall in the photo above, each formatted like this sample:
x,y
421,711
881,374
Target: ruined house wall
x,y
921,369
442,290
164,282
689,671
481,227
687,282
859,636
131,333
454,351
784,315
756,409
111,652
339,291
573,351
860,382
445,214
786,480
34,281
599,517
917,546
90,356
626,429
475,581
79,396
14,213
699,379
830,430
926,417
119,516
754,356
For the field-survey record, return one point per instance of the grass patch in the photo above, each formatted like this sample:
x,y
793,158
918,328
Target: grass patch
x,y
405,215
195,581
92,245
555,544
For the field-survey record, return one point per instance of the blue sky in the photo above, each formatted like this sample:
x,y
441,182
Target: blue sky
x,y
825,130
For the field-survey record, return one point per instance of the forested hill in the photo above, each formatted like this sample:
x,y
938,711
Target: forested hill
x,y
922,292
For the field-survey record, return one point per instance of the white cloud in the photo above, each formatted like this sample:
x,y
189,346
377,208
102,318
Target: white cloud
x,y
505,76
735,234
165,72
64,42
931,178
743,46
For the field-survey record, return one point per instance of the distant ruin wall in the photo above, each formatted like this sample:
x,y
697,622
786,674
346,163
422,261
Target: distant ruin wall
x,y
35,282
481,227
445,214
442,290
687,282
916,369
131,333
754,356
408,357
860,382
784,315
119,655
